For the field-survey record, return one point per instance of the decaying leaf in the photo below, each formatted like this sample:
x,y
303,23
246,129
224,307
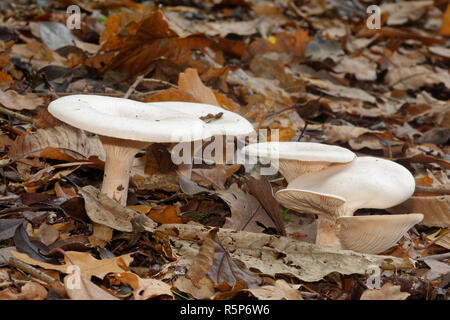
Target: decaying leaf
x,y
144,289
105,211
280,255
12,100
79,287
435,209
387,292
87,264
61,143
247,213
281,290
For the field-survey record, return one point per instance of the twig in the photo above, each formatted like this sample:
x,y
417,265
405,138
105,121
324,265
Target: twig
x,y
420,189
432,242
133,86
31,270
441,256
303,131
160,82
17,115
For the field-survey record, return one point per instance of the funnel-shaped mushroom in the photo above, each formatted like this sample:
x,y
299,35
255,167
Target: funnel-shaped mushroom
x,y
297,158
336,192
366,182
126,126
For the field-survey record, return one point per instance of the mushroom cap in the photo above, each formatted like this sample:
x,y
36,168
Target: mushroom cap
x,y
300,151
374,234
149,122
366,182
294,159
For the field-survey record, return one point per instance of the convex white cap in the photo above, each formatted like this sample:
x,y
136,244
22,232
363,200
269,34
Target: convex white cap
x,y
297,158
149,122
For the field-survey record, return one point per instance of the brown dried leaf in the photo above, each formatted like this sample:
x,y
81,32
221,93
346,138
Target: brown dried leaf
x,y
280,291
216,176
247,213
190,82
387,292
273,255
203,260
435,209
226,269
72,144
79,287
88,265
262,190
12,100
103,210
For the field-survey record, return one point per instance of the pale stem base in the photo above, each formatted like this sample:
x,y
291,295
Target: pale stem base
x,y
119,160
327,233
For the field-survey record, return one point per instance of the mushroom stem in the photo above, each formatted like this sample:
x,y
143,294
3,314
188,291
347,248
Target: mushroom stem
x,y
119,160
327,231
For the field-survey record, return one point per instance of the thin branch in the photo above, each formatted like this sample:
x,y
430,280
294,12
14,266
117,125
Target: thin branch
x,y
31,270
441,256
133,86
17,115
160,82
420,189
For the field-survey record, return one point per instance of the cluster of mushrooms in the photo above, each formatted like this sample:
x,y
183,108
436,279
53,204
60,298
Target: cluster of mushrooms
x,y
333,183
326,180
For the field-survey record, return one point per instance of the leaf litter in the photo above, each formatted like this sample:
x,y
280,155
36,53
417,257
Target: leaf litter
x,y
311,70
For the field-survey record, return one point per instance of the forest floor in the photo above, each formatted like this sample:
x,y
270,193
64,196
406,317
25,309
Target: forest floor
x,y
324,71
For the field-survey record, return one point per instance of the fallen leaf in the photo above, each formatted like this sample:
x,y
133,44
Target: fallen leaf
x,y
86,263
387,292
78,287
247,213
151,288
69,143
225,269
105,211
435,209
167,214
12,100
8,227
280,291
279,255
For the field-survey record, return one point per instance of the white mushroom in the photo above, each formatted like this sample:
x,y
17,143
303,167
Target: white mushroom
x,y
366,182
126,126
297,158
336,192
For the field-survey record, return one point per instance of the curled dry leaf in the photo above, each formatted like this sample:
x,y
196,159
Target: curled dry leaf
x,y
226,269
87,264
60,143
12,100
151,288
103,210
203,290
281,290
247,213
29,291
387,292
144,289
